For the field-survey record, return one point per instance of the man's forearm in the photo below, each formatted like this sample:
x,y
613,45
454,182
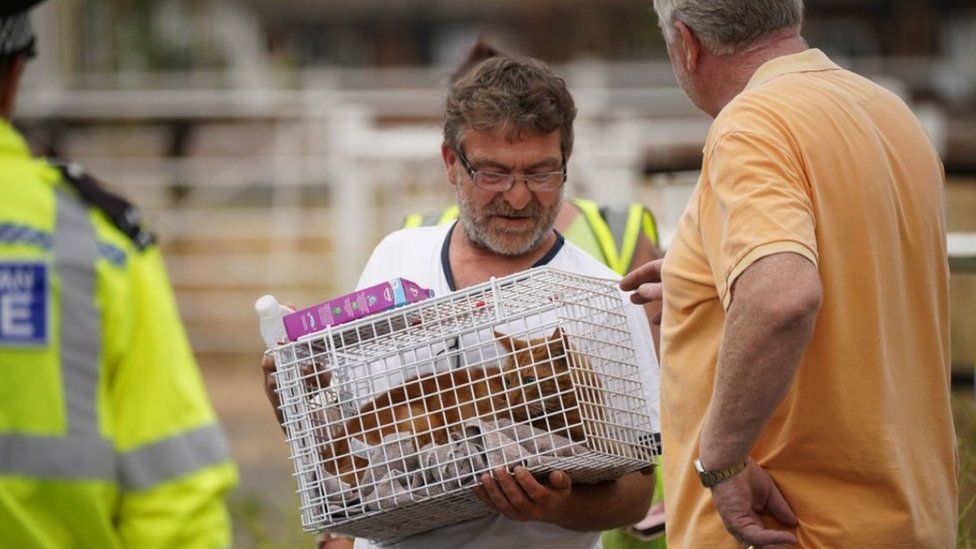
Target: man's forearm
x,y
609,505
767,330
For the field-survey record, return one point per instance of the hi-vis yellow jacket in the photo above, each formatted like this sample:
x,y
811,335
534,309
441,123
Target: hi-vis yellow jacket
x,y
610,234
107,437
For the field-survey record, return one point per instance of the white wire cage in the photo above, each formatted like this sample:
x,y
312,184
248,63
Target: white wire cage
x,y
392,419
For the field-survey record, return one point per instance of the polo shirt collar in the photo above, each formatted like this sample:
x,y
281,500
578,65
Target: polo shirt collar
x,y
811,60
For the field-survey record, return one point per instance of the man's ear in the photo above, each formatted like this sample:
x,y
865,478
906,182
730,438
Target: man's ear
x,y
689,45
450,162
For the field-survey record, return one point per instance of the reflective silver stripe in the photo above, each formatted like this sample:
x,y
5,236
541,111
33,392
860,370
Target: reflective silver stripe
x,y
617,221
83,457
75,252
431,220
173,457
79,457
82,453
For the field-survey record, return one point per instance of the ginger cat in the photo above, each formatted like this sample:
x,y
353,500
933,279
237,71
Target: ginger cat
x,y
535,383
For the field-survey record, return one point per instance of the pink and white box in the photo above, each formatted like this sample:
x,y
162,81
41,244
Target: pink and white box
x,y
365,302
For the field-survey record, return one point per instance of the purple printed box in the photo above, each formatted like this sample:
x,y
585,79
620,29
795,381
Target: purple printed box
x,y
354,306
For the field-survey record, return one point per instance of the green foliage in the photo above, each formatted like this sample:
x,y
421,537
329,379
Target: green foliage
x,y
261,524
148,35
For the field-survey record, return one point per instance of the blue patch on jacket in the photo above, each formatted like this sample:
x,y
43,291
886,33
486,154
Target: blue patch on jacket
x,y
23,304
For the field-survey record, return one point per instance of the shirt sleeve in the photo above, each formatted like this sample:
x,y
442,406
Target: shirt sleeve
x,y
760,206
174,463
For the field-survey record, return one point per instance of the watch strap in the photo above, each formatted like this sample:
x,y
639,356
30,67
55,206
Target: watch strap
x,y
712,478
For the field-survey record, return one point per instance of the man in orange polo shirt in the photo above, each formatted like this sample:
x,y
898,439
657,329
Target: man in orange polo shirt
x,y
805,346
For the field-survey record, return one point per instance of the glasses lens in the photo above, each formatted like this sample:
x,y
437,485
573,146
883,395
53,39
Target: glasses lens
x,y
493,181
545,181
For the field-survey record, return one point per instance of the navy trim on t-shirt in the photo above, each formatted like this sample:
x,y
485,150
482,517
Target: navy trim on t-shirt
x,y
556,246
446,250
445,258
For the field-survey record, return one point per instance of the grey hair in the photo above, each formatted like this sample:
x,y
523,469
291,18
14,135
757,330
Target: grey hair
x,y
724,26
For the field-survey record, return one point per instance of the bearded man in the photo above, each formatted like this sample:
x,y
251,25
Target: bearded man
x,y
508,135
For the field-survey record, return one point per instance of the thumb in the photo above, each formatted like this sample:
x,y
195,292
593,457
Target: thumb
x,y
780,509
559,480
651,291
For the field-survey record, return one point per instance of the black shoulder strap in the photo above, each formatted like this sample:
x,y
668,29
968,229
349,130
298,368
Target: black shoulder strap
x,y
123,215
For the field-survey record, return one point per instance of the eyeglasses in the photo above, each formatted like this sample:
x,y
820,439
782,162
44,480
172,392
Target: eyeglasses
x,y
502,182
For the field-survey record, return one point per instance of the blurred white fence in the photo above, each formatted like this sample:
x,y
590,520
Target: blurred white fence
x,y
286,190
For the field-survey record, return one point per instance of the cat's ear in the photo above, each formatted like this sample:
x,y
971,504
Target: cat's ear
x,y
505,340
555,342
511,344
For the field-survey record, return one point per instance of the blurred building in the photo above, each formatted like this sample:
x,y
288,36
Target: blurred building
x,y
192,34
926,48
214,112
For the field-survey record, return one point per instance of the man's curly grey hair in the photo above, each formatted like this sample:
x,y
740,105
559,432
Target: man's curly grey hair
x,y
518,96
725,26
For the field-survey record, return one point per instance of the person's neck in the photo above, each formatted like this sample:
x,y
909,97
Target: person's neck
x,y
9,83
472,264
729,74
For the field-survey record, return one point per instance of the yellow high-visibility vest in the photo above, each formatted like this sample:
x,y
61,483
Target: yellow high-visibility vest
x,y
107,436
614,231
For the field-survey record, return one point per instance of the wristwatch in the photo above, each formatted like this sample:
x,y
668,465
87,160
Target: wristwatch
x,y
711,478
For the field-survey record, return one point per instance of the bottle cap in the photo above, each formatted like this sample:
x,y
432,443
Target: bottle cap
x,y
266,305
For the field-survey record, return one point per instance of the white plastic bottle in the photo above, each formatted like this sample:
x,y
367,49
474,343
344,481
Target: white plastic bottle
x,y
270,314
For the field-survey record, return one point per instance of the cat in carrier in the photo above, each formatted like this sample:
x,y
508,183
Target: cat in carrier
x,y
541,381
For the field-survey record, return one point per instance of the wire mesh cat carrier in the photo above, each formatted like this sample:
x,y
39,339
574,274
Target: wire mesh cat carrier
x,y
392,419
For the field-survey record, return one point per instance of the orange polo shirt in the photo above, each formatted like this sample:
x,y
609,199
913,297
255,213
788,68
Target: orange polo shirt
x,y
815,160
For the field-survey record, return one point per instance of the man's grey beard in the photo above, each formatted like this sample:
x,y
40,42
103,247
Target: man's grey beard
x,y
500,241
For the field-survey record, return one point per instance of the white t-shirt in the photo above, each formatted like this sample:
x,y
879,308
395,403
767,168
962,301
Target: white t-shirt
x,y
421,255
